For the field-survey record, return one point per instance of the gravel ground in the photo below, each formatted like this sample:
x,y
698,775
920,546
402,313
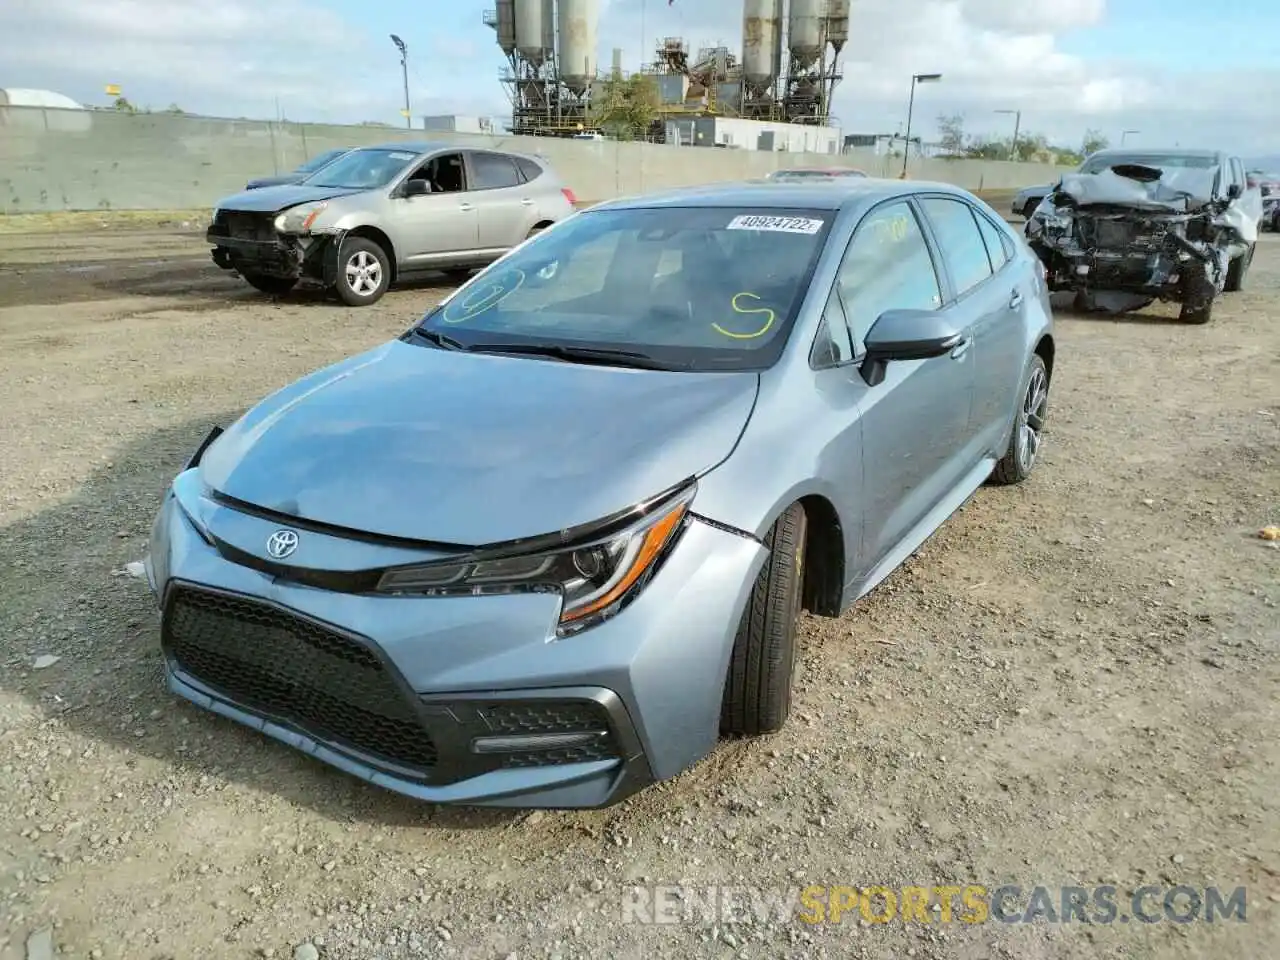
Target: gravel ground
x,y
1076,681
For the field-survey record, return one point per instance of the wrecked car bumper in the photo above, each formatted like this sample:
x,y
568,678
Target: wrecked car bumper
x,y
256,246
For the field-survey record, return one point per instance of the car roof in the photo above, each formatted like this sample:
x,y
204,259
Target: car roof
x,y
829,195
433,146
1157,152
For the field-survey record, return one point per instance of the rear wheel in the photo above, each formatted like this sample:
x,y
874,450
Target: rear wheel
x,y
276,286
757,689
1028,426
364,272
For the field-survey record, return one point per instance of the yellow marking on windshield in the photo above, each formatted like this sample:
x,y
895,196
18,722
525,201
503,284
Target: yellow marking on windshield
x,y
483,298
772,318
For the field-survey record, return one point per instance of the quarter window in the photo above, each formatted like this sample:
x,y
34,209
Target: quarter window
x,y
959,241
493,171
530,169
997,244
886,267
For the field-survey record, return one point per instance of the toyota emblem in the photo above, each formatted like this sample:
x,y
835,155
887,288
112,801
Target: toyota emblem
x,y
281,544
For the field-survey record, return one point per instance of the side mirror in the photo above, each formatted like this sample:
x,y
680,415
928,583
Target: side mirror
x,y
906,335
1234,191
415,188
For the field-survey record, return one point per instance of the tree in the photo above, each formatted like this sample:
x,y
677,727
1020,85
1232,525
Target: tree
x,y
952,137
1094,140
175,109
124,106
626,107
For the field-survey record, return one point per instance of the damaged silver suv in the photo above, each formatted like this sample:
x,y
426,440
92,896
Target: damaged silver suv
x,y
1134,226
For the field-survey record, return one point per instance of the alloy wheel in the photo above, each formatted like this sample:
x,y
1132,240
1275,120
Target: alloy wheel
x,y
364,273
1031,419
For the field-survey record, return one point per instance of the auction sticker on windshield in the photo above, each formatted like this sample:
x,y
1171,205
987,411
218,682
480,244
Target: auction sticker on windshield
x,y
775,224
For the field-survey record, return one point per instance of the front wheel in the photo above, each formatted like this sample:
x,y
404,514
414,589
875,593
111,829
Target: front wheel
x,y
1237,270
275,286
757,688
364,272
1028,427
1197,295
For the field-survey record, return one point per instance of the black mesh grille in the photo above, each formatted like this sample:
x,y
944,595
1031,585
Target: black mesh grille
x,y
249,226
290,669
552,716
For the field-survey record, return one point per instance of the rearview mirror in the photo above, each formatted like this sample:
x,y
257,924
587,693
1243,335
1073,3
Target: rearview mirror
x,y
415,188
906,335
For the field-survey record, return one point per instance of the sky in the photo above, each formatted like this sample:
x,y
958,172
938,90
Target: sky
x,y
1178,72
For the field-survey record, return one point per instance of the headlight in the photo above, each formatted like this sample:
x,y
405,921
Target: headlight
x,y
300,218
596,575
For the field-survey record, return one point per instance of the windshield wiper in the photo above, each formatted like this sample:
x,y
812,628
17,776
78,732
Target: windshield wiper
x,y
596,355
439,339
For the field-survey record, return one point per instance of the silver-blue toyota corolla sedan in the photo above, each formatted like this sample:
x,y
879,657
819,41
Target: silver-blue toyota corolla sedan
x,y
548,545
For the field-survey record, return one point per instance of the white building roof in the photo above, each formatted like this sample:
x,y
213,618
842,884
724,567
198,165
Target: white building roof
x,y
20,97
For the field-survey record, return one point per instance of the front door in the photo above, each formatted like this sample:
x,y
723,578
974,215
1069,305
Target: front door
x,y
503,202
441,226
915,422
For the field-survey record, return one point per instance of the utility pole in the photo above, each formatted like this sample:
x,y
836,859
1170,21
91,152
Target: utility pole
x,y
404,69
1017,126
915,78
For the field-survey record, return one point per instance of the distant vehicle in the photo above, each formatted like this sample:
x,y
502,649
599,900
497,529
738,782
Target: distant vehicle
x,y
588,135
545,546
1271,212
1027,199
809,174
378,213
299,173
1132,226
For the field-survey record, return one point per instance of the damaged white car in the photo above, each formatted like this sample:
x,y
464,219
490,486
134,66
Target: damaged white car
x,y
1134,226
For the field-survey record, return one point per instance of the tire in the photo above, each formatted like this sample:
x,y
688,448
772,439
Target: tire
x,y
1238,270
276,286
1197,297
757,688
1026,437
364,272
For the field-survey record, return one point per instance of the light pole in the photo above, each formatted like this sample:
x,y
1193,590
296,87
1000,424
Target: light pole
x,y
1125,134
1017,125
911,103
404,68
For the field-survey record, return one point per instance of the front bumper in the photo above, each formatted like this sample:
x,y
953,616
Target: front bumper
x,y
431,697
278,255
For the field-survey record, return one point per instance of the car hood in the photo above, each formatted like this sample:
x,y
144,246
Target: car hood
x,y
281,197
464,449
1146,188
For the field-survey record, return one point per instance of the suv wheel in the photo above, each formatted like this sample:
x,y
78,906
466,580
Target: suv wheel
x,y
1237,271
1197,296
276,286
757,688
364,272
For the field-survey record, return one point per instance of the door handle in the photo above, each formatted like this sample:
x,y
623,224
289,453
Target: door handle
x,y
527,202
1015,299
465,206
960,349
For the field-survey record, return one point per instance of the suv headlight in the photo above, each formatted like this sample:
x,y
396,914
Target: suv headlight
x,y
300,218
597,575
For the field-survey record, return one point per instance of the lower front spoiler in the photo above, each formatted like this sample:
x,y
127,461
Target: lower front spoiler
x,y
594,784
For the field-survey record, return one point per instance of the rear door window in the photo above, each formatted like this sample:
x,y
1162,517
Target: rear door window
x,y
959,241
528,169
999,250
493,171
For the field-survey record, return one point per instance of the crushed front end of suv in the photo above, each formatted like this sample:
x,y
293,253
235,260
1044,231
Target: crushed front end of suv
x,y
1129,228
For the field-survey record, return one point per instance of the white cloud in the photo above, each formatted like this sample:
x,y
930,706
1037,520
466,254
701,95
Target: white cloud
x,y
236,57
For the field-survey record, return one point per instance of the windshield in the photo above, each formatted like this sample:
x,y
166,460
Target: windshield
x,y
319,160
711,288
814,174
1159,161
362,169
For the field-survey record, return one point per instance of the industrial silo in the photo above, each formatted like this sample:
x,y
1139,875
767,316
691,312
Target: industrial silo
x,y
837,23
505,25
804,30
533,29
761,43
579,25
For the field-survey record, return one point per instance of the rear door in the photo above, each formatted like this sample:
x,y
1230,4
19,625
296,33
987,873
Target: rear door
x,y
505,211
989,306
914,422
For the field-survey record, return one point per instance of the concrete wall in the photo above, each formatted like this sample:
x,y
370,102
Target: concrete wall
x,y
90,160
